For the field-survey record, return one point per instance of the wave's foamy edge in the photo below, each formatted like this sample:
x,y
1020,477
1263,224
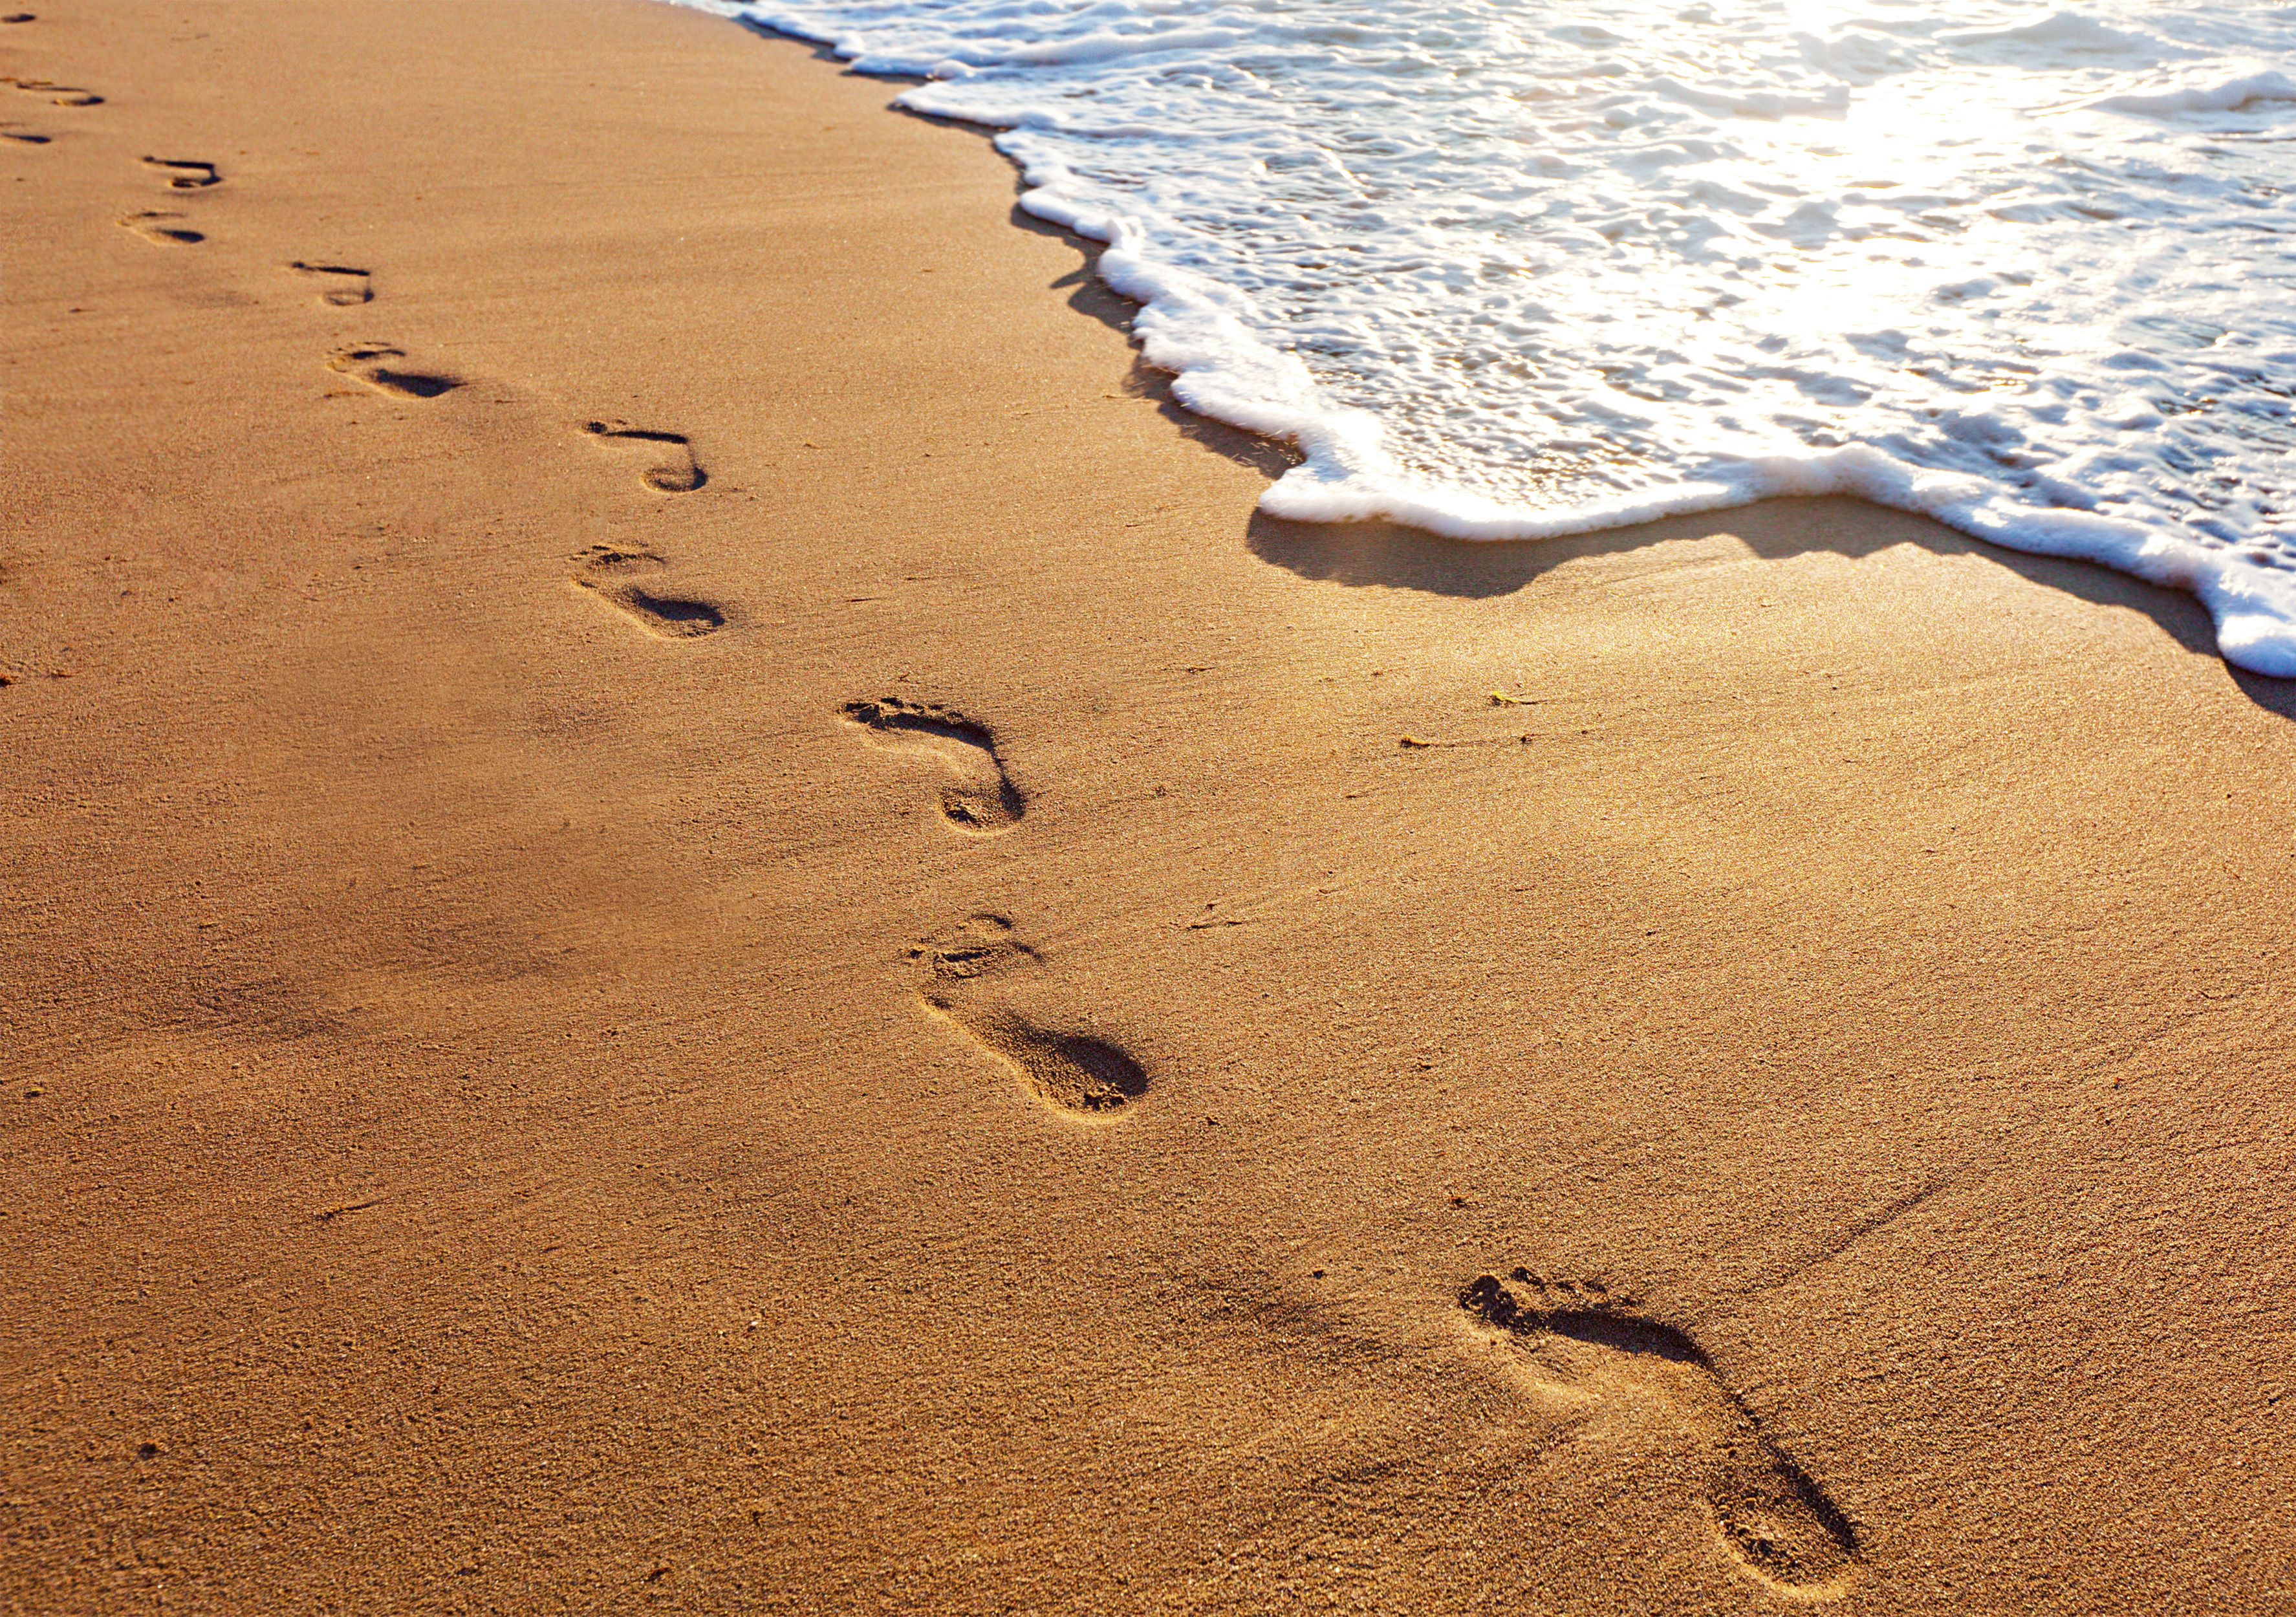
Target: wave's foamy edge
x,y
1195,329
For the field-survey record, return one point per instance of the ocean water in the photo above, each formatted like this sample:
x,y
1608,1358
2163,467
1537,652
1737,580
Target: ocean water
x,y
1507,270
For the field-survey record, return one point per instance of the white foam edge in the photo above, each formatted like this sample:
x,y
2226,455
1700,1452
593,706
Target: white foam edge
x,y
1196,330
2223,96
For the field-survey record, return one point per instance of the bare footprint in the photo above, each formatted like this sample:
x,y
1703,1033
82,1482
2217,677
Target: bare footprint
x,y
338,283
1078,1075
983,799
186,174
619,576
162,229
376,365
61,94
1582,1342
675,471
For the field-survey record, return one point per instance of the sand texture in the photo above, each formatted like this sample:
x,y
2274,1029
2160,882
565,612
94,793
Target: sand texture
x,y
694,919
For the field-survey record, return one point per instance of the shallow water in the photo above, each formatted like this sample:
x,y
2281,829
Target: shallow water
x,y
1511,270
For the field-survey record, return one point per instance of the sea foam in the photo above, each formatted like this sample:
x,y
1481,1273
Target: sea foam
x,y
1508,272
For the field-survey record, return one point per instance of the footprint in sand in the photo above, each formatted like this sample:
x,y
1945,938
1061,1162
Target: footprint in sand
x,y
21,136
619,578
376,364
674,470
1582,1343
61,94
1078,1075
338,283
162,229
983,799
186,174
19,17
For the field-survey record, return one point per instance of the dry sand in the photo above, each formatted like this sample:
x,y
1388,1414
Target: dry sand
x,y
899,1030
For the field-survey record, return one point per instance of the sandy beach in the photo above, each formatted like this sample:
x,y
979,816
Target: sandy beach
x,y
695,919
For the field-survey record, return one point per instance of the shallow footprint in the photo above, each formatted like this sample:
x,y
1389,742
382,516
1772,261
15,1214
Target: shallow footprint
x,y
376,365
617,576
338,283
10,132
675,471
19,17
162,229
1582,1341
984,799
1076,1074
61,94
186,174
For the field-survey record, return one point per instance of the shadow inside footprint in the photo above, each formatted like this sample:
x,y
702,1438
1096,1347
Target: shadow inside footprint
x,y
338,283
23,137
1072,1072
61,94
614,575
1771,1517
1078,1075
983,800
674,472
376,365
186,174
162,228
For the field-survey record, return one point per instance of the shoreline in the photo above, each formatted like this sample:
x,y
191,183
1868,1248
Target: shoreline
x,y
1343,475
702,919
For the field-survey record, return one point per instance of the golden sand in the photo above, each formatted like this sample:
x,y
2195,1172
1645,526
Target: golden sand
x,y
696,920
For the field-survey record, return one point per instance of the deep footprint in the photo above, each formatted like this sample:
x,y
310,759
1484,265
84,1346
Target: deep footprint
x,y
376,365
1076,1074
61,94
675,471
1769,1515
338,283
983,800
615,576
186,174
162,229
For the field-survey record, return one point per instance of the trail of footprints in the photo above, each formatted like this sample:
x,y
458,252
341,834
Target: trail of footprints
x,y
971,974
1579,1342
1586,1343
626,578
1582,1343
162,228
57,94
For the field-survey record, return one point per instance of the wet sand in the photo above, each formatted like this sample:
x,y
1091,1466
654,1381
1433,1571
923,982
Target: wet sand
x,y
695,919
